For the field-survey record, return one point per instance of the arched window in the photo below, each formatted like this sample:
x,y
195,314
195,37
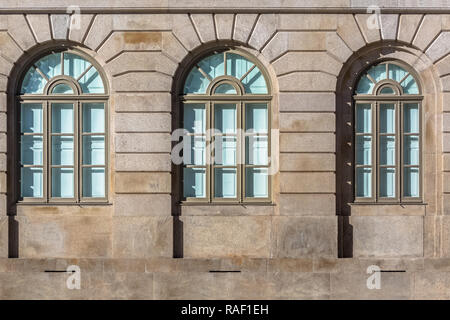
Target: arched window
x,y
63,139
388,135
226,117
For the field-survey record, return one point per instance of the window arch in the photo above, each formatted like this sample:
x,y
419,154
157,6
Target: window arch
x,y
226,120
62,121
388,134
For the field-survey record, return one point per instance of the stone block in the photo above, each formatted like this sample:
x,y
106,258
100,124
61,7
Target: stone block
x,y
428,30
142,142
407,26
204,25
102,26
307,204
307,182
184,31
19,30
307,22
3,237
307,101
300,237
9,48
247,236
265,28
243,26
142,205
224,26
387,236
307,122
370,26
307,162
143,122
142,237
79,25
432,285
142,182
348,30
60,24
142,102
306,61
440,47
141,61
307,81
40,26
296,286
307,142
143,162
142,81
172,47
389,26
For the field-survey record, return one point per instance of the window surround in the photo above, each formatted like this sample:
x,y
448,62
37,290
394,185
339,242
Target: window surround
x,y
398,99
77,98
209,98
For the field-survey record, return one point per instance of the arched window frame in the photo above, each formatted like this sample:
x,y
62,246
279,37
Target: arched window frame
x,y
398,99
78,98
209,98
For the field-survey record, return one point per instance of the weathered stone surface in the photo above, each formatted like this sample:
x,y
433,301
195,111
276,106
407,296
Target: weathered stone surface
x,y
204,25
428,30
440,47
307,162
142,81
142,142
307,204
100,29
79,24
141,61
370,25
387,210
136,102
172,47
307,142
142,182
307,81
264,29
60,24
142,237
407,26
143,162
142,205
143,122
3,237
64,236
432,285
306,61
227,236
298,237
243,26
224,25
386,236
228,210
290,22
40,26
306,101
308,182
307,122
348,30
389,25
184,31
52,210
9,48
19,30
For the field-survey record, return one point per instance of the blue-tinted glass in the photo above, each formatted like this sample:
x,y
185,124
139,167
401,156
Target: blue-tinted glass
x,y
194,118
256,119
256,150
411,117
365,86
194,150
194,182
237,65
411,182
196,82
31,150
62,88
94,150
225,183
396,72
31,118
94,182
364,182
33,82
62,118
74,65
93,117
50,65
256,183
62,183
363,150
225,118
225,150
411,150
363,118
62,150
378,72
31,182
387,150
255,83
387,182
225,88
213,65
387,118
92,82
410,85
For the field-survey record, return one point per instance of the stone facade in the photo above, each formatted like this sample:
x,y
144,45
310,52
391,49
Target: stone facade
x,y
312,241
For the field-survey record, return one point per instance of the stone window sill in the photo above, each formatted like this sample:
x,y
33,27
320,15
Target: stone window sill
x,y
388,208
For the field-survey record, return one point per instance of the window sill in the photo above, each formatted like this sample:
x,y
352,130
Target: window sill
x,y
242,204
52,204
388,208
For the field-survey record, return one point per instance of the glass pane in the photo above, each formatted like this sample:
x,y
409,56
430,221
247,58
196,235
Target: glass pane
x,y
213,65
256,117
237,65
363,118
196,82
33,82
93,117
363,150
225,118
378,72
387,90
256,150
411,182
194,182
387,118
194,150
50,65
94,182
410,85
62,118
62,88
225,150
255,83
62,183
396,72
31,182
411,117
387,182
31,150
225,183
31,118
92,82
94,150
62,150
225,88
194,118
365,85
256,183
364,182
387,150
411,150
74,65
